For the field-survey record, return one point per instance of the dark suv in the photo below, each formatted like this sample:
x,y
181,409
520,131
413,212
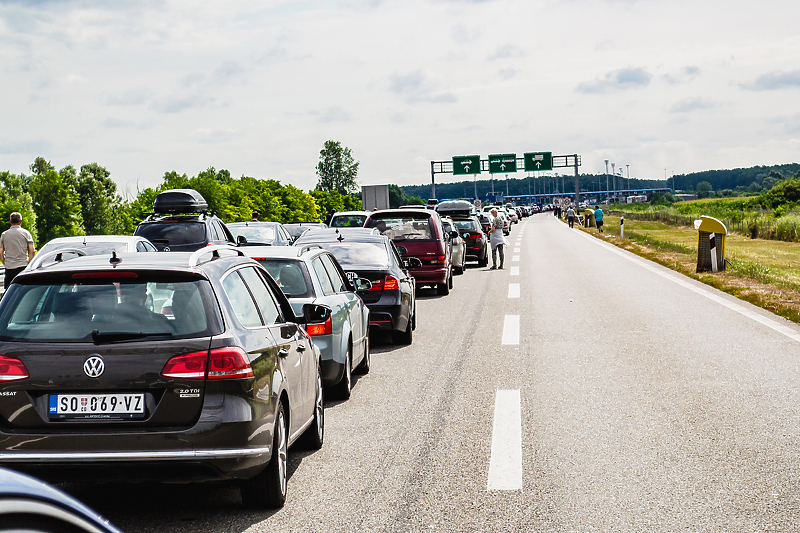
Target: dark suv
x,y
95,385
172,228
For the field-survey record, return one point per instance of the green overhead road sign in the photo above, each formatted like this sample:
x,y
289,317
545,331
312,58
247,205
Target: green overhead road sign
x,y
538,161
466,164
502,163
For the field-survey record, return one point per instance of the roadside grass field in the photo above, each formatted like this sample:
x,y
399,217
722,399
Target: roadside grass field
x,y
763,272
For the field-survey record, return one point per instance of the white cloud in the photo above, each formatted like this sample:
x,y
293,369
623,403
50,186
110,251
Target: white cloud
x,y
622,79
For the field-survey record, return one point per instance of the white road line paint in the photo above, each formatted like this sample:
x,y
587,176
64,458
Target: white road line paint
x,y
511,330
513,290
772,324
515,271
515,258
516,250
505,464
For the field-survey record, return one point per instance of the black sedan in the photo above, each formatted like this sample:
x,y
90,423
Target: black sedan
x,y
391,300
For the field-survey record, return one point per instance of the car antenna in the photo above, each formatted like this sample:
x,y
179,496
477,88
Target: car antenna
x,y
340,238
114,259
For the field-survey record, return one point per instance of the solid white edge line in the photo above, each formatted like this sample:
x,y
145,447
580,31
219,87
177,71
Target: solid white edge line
x,y
789,332
505,463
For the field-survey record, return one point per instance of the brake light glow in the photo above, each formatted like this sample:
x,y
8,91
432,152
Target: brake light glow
x,y
391,283
187,366
12,369
228,363
377,285
440,259
325,328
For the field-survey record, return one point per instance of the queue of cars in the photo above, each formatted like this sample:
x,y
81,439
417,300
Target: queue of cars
x,y
209,362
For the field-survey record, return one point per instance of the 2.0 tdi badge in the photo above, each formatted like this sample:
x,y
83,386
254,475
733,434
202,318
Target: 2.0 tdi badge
x,y
94,366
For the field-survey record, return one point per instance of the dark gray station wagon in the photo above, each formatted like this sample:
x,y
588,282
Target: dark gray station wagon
x,y
96,384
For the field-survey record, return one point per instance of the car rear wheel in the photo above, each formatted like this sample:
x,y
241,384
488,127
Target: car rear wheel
x,y
443,289
404,337
363,367
268,489
450,281
343,389
315,434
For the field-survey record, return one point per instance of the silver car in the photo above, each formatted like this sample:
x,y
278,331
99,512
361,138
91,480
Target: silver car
x,y
310,274
458,248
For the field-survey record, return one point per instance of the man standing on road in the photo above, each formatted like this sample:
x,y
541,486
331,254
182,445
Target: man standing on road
x,y
598,218
571,216
16,249
496,239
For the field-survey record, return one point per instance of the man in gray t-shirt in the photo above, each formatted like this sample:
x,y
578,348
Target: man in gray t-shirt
x,y
16,249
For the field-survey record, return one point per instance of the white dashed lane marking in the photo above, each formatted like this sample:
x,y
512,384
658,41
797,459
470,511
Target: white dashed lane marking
x,y
513,290
515,258
515,271
505,464
511,330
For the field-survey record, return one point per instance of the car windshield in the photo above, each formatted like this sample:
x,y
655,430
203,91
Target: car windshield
x,y
254,234
348,221
466,224
370,255
88,248
173,232
108,311
292,276
404,227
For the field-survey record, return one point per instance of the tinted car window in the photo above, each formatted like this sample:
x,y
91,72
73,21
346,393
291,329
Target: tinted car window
x,y
338,283
466,224
241,301
90,248
69,312
327,286
269,309
172,233
292,276
366,254
399,228
264,234
348,221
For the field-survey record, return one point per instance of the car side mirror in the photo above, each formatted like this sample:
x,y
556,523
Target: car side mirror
x,y
412,262
241,239
454,235
402,250
315,313
362,284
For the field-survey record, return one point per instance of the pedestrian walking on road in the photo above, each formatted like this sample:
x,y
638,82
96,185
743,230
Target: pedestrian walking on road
x,y
496,239
598,218
16,248
571,217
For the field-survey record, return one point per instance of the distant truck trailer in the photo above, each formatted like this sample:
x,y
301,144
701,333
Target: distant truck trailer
x,y
374,197
636,198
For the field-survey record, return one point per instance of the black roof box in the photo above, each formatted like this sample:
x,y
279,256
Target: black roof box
x,y
180,201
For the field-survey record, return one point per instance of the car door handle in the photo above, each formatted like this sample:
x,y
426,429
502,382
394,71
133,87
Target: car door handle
x,y
283,352
301,347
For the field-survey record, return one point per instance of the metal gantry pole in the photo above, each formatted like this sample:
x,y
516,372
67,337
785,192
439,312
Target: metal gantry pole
x,y
607,180
577,182
433,182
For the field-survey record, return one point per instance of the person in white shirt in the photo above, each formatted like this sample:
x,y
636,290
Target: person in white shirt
x,y
496,239
16,249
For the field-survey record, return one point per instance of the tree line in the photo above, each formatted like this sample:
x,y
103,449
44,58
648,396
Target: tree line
x,y
70,201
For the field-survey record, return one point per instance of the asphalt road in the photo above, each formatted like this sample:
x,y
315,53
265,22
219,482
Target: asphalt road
x,y
633,400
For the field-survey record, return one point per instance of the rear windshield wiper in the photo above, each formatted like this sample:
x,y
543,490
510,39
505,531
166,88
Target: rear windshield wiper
x,y
114,336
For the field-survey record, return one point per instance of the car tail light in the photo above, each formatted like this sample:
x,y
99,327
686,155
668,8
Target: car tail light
x,y
325,328
187,366
377,285
228,363
440,259
104,275
391,283
12,369
475,236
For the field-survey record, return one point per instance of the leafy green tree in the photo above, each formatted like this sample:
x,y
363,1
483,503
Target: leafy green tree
x,y
101,206
330,202
40,166
56,204
14,196
784,193
337,170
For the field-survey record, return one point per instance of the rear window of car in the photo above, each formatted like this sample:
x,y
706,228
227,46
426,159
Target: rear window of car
x,y
263,234
359,254
466,224
292,276
173,233
92,312
348,221
398,227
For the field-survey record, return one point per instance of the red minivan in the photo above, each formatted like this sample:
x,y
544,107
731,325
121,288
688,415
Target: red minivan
x,y
419,233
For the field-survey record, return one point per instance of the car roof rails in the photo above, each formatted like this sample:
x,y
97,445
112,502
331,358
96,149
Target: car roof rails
x,y
214,250
307,247
57,256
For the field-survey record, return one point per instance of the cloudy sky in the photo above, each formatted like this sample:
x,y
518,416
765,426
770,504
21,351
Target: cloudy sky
x,y
257,87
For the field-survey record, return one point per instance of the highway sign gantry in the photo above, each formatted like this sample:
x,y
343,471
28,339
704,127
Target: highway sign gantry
x,y
466,164
538,161
502,163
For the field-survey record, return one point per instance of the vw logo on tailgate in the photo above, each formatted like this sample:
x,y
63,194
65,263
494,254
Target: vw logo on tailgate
x,y
94,366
